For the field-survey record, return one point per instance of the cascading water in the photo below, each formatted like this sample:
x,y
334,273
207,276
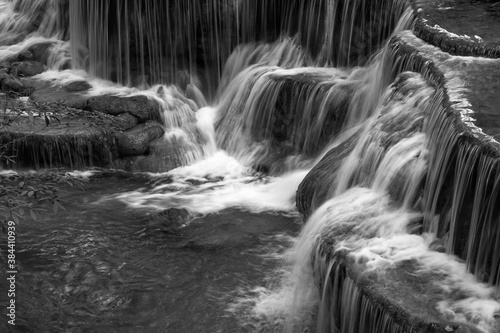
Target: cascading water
x,y
264,103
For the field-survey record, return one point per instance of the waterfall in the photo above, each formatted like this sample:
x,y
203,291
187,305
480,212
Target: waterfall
x,y
461,194
333,103
142,43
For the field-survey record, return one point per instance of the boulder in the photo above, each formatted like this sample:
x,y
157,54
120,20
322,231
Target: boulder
x,y
163,155
315,188
27,68
80,85
170,219
35,84
10,83
25,55
41,51
136,141
125,121
140,106
167,154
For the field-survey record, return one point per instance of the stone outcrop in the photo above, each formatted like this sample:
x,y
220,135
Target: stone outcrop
x,y
45,140
107,130
47,134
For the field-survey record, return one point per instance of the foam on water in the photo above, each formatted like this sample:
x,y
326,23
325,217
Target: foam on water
x,y
217,183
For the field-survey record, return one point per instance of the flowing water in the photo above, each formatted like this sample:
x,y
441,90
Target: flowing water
x,y
217,244
103,266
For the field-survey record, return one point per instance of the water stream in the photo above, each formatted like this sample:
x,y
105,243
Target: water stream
x,y
217,244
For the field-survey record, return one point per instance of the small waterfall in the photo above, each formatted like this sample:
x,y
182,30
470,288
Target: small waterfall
x,y
280,103
394,185
188,127
461,194
146,42
386,166
390,178
338,33
142,43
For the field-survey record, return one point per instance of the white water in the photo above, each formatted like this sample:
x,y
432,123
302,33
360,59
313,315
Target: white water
x,y
217,183
360,202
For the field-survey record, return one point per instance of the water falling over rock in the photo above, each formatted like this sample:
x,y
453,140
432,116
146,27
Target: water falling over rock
x,y
330,107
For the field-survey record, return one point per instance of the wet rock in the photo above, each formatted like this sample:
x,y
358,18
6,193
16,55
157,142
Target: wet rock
x,y
25,55
136,140
27,68
41,51
125,121
167,155
9,83
71,142
313,191
403,300
140,106
35,84
163,155
57,94
3,75
170,219
78,86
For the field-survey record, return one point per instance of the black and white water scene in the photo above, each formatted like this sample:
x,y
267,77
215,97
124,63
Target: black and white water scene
x,y
261,166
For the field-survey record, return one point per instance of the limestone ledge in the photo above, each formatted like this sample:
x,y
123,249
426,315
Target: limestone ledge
x,y
407,301
430,30
415,57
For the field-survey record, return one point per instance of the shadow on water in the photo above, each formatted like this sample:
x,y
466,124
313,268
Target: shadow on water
x,y
99,266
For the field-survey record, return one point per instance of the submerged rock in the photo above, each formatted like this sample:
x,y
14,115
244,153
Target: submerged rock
x,y
170,219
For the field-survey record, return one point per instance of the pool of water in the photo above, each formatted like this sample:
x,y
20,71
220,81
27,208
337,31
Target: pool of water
x,y
101,265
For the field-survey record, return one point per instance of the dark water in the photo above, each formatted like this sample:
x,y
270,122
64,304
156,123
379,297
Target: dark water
x,y
101,267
